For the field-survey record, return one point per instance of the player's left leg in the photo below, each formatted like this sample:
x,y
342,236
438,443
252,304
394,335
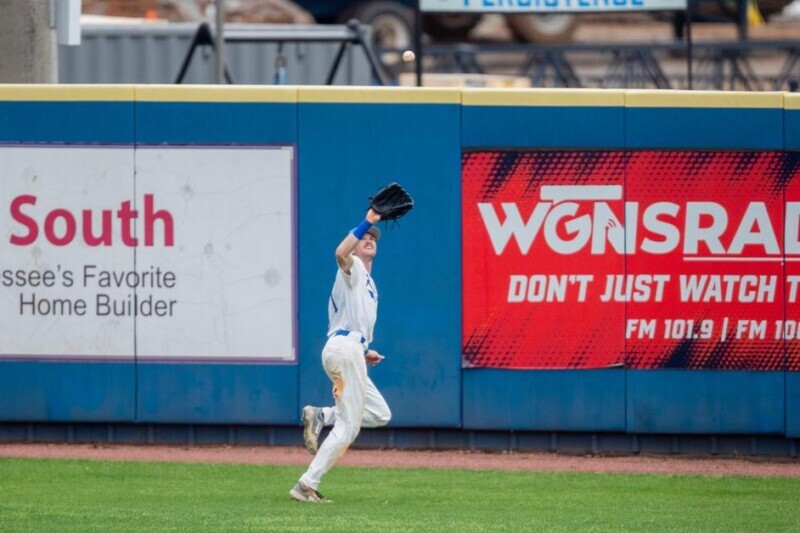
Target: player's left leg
x,y
376,414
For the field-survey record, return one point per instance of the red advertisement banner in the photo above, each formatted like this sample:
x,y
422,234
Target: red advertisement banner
x,y
791,323
651,259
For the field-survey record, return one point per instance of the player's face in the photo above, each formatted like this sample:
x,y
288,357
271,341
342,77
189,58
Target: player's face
x,y
367,247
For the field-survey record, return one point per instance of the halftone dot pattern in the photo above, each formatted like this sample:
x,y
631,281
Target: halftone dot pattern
x,y
499,334
790,170
708,176
518,175
733,180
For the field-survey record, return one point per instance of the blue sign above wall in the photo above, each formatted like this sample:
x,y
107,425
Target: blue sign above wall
x,y
548,6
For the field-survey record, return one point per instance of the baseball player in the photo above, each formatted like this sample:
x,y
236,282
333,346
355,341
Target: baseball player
x,y
352,311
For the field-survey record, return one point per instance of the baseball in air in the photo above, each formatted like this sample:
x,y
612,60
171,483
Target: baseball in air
x,y
408,56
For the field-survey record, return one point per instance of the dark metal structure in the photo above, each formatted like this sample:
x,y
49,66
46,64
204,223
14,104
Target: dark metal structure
x,y
350,34
685,13
729,65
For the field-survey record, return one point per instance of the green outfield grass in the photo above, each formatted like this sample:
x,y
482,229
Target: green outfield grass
x,y
77,495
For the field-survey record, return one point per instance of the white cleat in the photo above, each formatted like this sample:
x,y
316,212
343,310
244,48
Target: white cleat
x,y
303,493
313,423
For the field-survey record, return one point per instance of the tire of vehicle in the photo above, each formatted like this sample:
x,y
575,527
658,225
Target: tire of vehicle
x,y
555,28
392,23
772,7
730,8
450,27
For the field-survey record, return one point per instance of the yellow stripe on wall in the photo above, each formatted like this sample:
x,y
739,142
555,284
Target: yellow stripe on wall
x,y
379,95
216,93
712,99
395,95
543,97
791,101
66,93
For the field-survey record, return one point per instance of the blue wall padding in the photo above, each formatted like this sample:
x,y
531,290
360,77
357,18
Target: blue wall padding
x,y
66,122
793,404
215,123
348,151
217,393
703,128
791,124
701,401
543,127
38,391
546,400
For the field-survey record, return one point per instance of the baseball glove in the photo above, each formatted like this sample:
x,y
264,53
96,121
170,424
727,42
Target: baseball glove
x,y
391,202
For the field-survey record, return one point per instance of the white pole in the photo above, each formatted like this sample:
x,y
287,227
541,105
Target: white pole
x,y
219,64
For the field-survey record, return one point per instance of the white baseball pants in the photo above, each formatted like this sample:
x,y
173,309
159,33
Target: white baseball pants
x,y
358,403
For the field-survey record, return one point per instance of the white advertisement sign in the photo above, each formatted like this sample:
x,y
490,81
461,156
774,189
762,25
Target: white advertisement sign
x,y
158,252
549,6
61,209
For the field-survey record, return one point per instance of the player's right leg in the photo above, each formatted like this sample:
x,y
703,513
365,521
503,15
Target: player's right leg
x,y
376,414
376,410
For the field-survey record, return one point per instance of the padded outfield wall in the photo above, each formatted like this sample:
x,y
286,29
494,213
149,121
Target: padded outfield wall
x,y
591,261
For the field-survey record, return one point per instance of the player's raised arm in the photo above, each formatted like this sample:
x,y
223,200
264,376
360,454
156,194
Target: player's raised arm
x,y
346,247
